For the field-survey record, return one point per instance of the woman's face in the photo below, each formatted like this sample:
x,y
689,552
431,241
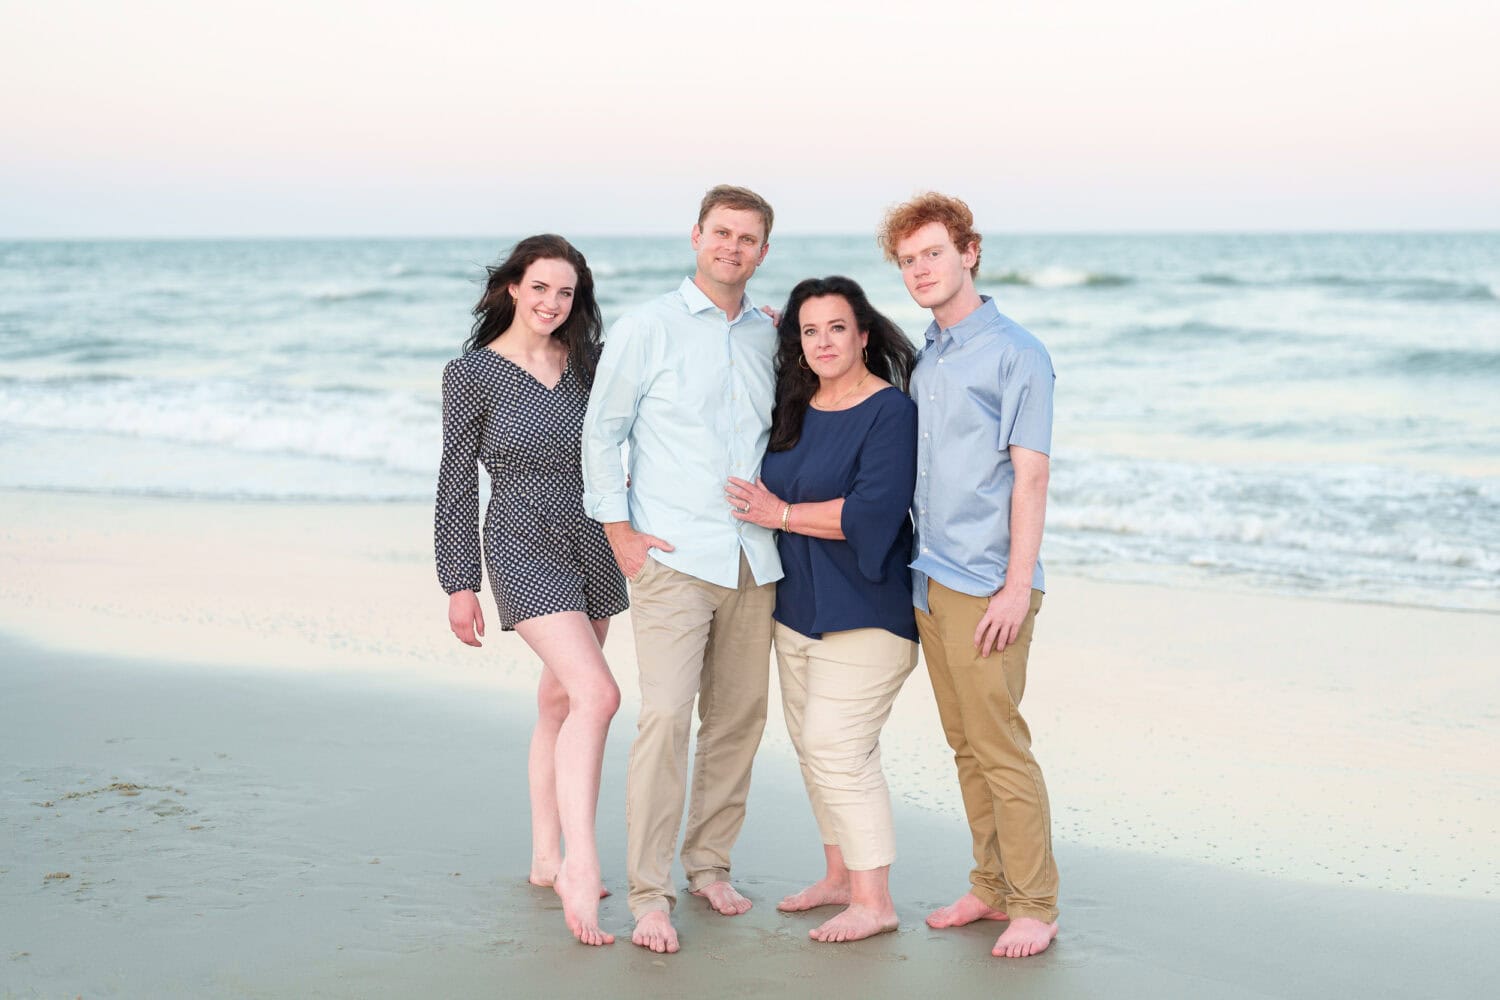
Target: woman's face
x,y
831,342
544,295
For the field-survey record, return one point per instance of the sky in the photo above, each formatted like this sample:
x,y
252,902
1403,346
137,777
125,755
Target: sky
x,y
165,118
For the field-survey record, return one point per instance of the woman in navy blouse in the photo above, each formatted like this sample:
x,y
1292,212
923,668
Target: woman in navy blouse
x,y
837,482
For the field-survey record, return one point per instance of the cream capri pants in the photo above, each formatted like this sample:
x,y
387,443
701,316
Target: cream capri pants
x,y
837,692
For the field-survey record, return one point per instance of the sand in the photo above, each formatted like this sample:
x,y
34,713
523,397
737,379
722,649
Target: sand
x,y
245,737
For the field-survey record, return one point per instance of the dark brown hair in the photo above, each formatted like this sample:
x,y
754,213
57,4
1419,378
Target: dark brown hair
x,y
496,310
889,355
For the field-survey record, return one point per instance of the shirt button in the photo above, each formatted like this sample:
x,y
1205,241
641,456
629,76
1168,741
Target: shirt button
x,y
924,472
926,435
940,360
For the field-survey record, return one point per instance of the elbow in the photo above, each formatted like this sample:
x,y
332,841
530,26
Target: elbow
x,y
1032,481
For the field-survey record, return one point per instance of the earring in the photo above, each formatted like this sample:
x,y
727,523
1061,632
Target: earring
x,y
864,352
802,361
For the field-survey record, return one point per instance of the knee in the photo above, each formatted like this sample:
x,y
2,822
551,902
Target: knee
x,y
835,758
600,700
663,721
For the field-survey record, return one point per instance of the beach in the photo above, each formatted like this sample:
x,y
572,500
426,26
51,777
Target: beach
x,y
243,756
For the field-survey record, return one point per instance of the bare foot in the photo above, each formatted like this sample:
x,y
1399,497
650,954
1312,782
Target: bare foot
x,y
964,910
1024,937
544,878
655,931
724,897
824,892
580,900
854,924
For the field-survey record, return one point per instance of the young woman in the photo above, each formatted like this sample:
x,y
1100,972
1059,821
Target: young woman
x,y
514,402
837,482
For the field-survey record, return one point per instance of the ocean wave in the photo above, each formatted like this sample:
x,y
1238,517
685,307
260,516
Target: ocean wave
x,y
1359,530
1438,361
1191,332
605,269
1410,289
1056,277
394,429
355,293
473,272
84,348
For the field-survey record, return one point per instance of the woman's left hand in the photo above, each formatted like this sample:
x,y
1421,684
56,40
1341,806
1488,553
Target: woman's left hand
x,y
754,503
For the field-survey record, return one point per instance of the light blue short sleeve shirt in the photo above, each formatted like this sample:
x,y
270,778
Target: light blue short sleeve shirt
x,y
691,392
981,385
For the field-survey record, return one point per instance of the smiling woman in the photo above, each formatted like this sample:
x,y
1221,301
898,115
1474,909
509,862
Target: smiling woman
x,y
515,403
837,482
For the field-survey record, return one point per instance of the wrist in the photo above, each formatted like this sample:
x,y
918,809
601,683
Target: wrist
x,y
616,531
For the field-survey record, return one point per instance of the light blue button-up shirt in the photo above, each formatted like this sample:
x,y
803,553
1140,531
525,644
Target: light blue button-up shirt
x,y
691,392
981,385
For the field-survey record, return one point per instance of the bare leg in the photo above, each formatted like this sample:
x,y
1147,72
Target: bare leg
x,y
871,910
1026,936
541,775
831,890
569,647
964,910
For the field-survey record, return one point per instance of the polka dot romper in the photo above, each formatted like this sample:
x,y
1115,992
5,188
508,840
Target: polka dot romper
x,y
544,554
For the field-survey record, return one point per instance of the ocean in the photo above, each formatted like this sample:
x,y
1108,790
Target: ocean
x,y
1304,414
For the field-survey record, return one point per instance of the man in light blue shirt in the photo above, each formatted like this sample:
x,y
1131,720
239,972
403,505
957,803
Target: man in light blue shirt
x,y
687,380
983,388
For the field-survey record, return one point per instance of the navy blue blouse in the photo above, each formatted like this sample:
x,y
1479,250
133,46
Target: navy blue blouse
x,y
866,454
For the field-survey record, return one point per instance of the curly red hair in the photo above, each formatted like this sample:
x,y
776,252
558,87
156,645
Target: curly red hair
x,y
906,218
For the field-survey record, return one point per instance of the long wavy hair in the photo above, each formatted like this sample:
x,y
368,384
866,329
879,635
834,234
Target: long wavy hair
x,y
889,355
496,310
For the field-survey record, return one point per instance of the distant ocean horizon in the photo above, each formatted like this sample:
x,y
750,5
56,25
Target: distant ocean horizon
x,y
1305,413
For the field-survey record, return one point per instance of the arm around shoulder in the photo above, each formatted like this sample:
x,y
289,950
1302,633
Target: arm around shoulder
x,y
885,475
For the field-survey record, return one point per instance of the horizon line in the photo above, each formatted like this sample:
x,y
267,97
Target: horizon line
x,y
660,234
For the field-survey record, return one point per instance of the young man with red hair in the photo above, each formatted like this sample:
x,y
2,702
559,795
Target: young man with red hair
x,y
983,387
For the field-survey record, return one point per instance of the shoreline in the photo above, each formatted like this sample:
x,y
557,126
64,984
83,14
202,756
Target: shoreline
x,y
1134,574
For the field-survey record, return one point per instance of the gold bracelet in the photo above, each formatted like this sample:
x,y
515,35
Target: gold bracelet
x,y
786,513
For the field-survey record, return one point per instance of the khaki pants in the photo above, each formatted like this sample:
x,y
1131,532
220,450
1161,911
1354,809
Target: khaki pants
x,y
1004,795
693,639
837,693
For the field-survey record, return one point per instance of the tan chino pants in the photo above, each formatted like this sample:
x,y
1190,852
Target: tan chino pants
x,y
693,640
1004,795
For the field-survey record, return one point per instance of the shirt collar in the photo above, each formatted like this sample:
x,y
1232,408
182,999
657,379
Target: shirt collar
x,y
964,330
697,302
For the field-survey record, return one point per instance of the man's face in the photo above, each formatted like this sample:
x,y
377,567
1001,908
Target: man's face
x,y
933,268
730,245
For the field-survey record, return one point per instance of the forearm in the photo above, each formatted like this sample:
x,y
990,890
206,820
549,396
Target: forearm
x,y
1028,514
817,520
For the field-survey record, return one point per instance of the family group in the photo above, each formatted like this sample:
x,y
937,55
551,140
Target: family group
x,y
804,478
